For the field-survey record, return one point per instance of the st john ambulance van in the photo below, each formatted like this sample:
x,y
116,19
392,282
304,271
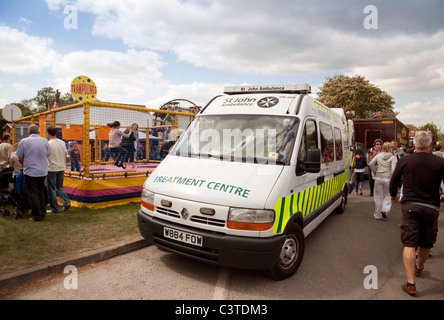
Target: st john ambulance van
x,y
256,171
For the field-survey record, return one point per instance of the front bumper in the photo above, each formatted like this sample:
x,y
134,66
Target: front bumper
x,y
218,248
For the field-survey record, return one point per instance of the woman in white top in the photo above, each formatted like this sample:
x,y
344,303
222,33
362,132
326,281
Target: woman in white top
x,y
383,164
115,138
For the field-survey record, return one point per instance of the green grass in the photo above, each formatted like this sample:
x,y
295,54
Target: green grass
x,y
25,244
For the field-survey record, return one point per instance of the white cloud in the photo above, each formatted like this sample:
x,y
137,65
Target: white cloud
x,y
196,92
263,38
24,54
21,86
56,4
412,69
25,21
421,112
118,76
269,38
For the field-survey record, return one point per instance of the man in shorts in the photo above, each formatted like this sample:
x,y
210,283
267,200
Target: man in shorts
x,y
422,173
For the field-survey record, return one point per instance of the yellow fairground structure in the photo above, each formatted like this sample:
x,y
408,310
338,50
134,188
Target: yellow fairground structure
x,y
99,183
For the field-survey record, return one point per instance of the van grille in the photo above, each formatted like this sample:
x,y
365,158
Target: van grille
x,y
168,212
208,221
197,219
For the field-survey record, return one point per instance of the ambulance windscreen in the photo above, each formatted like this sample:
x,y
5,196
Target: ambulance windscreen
x,y
240,138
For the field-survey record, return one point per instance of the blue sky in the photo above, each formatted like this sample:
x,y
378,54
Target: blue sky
x,y
149,52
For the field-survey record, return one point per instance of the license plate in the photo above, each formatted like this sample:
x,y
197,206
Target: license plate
x,y
183,236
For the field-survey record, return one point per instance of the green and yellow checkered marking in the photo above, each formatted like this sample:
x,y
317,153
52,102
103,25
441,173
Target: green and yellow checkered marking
x,y
329,111
307,200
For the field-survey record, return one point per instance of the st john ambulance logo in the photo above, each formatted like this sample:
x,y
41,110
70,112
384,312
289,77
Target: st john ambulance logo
x,y
268,102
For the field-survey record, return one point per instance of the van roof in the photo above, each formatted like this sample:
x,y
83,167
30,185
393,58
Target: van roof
x,y
286,88
288,100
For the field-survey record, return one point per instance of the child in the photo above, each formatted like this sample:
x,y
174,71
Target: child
x,y
74,155
361,163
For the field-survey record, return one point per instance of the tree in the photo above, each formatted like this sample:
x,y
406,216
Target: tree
x,y
434,128
358,95
45,97
68,98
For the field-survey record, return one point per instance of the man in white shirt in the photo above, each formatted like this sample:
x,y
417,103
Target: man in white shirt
x,y
56,172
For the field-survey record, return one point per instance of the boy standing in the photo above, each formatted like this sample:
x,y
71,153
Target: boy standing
x,y
74,155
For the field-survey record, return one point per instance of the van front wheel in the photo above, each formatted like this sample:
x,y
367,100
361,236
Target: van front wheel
x,y
291,254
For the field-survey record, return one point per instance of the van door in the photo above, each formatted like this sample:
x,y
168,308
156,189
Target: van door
x,y
351,153
328,151
307,182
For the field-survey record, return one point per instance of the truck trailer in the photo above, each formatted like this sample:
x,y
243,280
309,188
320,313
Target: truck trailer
x,y
387,129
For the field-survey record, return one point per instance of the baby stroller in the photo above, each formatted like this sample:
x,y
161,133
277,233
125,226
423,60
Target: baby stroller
x,y
6,189
12,191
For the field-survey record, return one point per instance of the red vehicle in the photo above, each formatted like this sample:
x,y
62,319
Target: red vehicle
x,y
413,132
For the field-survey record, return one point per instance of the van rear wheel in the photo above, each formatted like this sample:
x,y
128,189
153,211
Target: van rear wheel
x,y
291,254
341,208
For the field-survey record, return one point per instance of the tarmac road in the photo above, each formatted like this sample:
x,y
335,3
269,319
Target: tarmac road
x,y
349,256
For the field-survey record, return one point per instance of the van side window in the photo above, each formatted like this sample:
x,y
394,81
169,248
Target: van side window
x,y
327,147
309,141
338,144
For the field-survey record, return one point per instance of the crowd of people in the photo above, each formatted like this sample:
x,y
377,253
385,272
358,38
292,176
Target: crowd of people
x,y
42,164
379,163
396,175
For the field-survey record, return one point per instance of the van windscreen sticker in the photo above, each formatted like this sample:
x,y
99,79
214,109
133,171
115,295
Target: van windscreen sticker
x,y
268,102
238,102
210,185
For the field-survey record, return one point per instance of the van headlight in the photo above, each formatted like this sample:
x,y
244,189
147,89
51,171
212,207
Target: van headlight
x,y
147,200
250,219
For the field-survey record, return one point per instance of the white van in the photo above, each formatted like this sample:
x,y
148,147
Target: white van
x,y
254,173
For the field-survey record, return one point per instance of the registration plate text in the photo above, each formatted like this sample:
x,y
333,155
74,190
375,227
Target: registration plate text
x,y
183,236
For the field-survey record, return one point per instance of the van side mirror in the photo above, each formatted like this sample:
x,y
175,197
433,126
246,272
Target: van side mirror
x,y
312,164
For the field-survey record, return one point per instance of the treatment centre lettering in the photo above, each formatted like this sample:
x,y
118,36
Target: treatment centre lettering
x,y
211,185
